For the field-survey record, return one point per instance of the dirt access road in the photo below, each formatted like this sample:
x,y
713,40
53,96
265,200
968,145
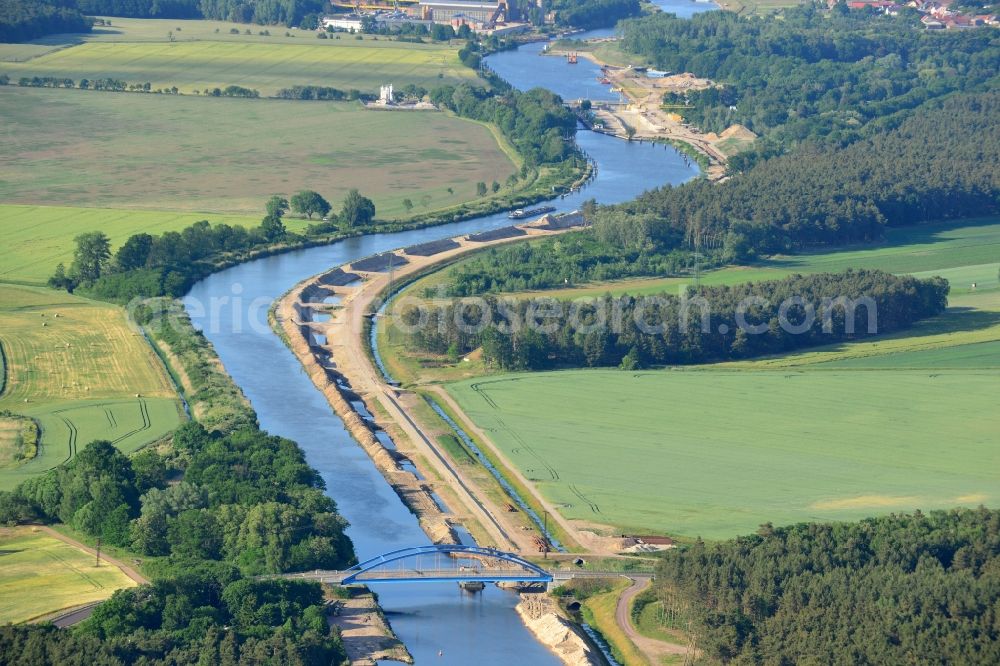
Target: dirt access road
x,y
651,648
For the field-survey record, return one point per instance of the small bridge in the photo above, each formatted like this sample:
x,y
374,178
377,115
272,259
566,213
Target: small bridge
x,y
598,104
436,564
451,563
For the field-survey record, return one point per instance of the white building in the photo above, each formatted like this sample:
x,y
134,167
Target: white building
x,y
347,22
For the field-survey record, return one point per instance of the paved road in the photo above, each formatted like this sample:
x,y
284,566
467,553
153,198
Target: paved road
x,y
68,619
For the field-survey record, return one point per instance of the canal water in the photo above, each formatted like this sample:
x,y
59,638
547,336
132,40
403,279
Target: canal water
x,y
439,623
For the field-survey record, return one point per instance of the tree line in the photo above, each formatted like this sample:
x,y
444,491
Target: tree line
x,y
813,75
891,590
287,12
168,264
307,92
705,324
321,93
939,163
590,14
23,20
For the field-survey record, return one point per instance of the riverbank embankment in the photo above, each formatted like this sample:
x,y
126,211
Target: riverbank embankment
x,y
366,633
328,339
334,355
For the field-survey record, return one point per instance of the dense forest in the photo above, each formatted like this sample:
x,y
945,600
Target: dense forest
x,y
705,324
901,589
179,9
590,14
939,163
35,18
813,74
287,12
23,20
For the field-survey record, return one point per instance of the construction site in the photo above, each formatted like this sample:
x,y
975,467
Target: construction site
x,y
640,113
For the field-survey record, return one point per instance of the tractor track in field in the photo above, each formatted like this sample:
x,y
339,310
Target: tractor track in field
x,y
146,423
481,392
73,433
576,491
484,395
520,440
3,370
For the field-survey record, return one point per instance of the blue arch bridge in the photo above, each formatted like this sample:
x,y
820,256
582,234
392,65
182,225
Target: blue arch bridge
x,y
446,563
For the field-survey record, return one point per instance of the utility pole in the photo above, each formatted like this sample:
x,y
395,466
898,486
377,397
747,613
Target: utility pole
x,y
545,536
97,560
388,294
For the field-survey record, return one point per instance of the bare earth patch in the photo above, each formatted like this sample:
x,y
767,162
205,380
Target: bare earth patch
x,y
864,502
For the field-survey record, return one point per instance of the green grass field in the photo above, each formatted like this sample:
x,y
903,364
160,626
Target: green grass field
x,y
841,432
650,451
77,368
187,154
36,238
139,51
40,575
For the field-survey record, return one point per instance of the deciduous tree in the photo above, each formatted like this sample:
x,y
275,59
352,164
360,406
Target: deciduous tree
x,y
93,249
310,203
358,210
